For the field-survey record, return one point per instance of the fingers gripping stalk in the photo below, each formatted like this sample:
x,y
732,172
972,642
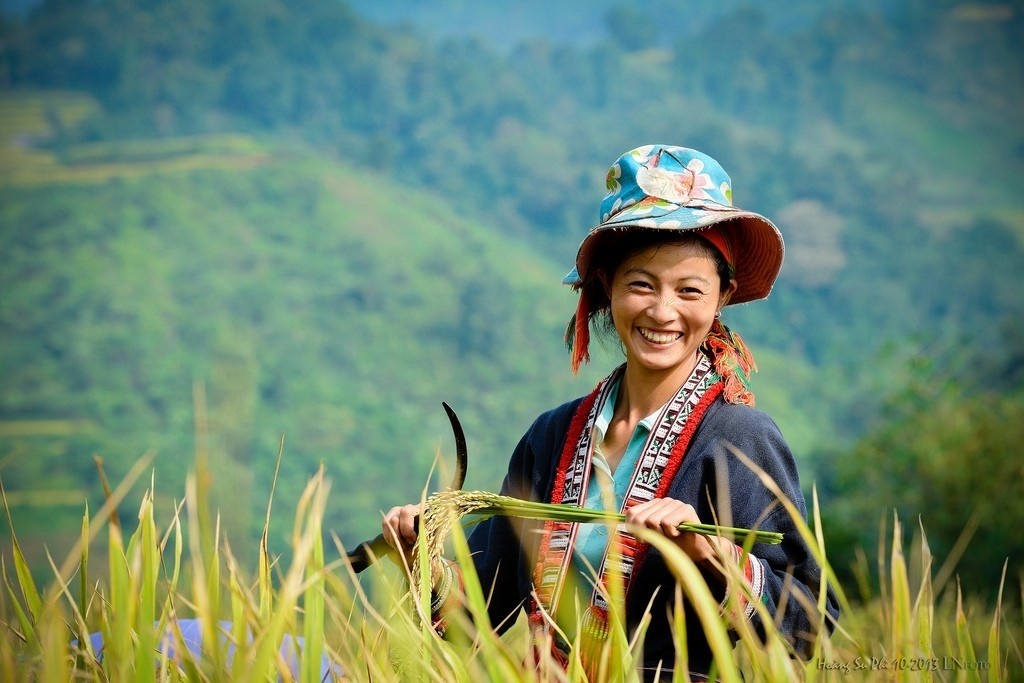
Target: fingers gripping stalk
x,y
368,552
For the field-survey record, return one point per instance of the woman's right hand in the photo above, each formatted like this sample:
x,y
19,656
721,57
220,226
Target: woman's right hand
x,y
401,529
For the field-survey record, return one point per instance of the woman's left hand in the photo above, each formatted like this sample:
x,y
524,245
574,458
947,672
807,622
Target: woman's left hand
x,y
665,515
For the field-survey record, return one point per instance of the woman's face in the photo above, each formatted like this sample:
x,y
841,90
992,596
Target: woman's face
x,y
663,302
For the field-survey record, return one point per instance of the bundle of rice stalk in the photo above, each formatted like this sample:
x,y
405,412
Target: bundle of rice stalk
x,y
446,508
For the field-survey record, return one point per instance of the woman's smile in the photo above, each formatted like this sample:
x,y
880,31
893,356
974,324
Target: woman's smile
x,y
658,337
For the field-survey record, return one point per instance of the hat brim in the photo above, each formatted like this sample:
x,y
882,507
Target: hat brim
x,y
757,245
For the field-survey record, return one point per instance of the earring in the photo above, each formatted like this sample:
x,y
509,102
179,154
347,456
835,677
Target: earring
x,y
718,314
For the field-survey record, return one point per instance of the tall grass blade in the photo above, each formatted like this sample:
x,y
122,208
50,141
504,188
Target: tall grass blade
x,y
55,664
819,537
266,585
994,630
204,600
146,563
107,493
79,628
240,604
83,567
924,604
206,527
313,600
174,530
900,584
29,592
965,645
28,625
946,571
118,618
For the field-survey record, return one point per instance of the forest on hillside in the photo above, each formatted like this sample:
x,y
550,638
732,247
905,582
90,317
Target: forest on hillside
x,y
321,225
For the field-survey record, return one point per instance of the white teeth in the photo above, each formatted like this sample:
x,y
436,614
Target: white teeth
x,y
658,337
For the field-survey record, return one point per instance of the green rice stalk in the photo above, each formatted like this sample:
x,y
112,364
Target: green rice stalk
x,y
30,594
117,620
313,603
172,583
819,536
924,605
963,639
994,657
240,609
205,569
900,606
28,627
266,585
146,566
205,528
83,567
54,667
79,629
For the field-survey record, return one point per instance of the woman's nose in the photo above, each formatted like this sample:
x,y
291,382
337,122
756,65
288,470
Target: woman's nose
x,y
661,309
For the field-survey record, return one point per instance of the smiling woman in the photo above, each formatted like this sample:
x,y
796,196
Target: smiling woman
x,y
656,441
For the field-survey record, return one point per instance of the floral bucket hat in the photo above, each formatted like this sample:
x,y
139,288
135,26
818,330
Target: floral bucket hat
x,y
675,188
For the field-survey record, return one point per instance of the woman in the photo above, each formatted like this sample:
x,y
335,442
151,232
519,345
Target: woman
x,y
670,252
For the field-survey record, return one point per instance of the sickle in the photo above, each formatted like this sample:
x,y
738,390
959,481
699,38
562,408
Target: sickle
x,y
367,552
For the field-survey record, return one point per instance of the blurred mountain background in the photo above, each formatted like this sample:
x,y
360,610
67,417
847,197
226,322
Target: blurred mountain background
x,y
227,221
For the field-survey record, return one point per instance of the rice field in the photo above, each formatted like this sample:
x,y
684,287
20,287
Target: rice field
x,y
308,618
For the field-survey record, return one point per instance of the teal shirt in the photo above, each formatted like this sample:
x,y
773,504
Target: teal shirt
x,y
592,539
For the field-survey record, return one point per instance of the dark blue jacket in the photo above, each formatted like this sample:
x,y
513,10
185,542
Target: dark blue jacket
x,y
504,549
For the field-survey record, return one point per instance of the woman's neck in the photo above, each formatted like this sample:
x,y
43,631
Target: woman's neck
x,y
643,391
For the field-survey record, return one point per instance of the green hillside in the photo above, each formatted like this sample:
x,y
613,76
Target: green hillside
x,y
305,298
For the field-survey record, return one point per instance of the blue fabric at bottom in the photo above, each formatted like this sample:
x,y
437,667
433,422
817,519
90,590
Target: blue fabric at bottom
x,y
192,637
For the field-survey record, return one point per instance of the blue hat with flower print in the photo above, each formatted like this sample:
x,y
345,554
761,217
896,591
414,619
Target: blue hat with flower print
x,y
675,188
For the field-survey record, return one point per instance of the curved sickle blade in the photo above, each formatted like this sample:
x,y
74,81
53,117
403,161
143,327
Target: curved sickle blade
x,y
368,552
461,456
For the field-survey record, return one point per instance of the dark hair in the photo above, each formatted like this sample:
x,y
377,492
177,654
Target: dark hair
x,y
615,247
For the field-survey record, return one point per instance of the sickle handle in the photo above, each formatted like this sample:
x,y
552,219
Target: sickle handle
x,y
368,552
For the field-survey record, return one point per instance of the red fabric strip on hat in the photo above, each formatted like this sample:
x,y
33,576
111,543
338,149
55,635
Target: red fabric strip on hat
x,y
718,238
